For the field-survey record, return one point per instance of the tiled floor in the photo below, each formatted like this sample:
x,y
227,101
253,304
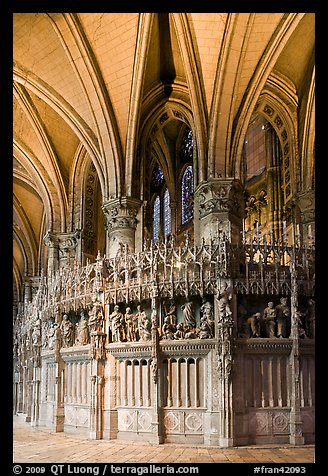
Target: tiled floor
x,y
41,445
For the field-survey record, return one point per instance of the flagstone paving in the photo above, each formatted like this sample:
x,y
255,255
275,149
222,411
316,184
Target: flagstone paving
x,y
42,445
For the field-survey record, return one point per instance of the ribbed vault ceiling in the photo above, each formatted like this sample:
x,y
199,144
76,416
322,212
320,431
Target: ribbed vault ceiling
x,y
87,80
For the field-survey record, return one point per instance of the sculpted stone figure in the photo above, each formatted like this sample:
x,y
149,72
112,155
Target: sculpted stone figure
x,y
143,324
283,314
66,328
171,313
310,319
96,316
254,324
206,321
82,331
116,320
299,323
36,342
269,317
52,336
167,329
179,333
205,330
188,315
130,325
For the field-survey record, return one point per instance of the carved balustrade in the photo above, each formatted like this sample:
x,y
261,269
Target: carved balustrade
x,y
253,268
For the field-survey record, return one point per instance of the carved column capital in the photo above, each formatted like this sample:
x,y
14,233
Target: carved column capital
x,y
220,204
62,246
306,204
63,241
218,195
121,223
67,242
121,213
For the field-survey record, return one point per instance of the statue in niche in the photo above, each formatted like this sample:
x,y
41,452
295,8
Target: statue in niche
x,y
116,320
81,330
269,317
254,323
205,331
167,329
179,333
283,314
130,325
206,321
144,326
171,313
84,332
96,316
36,343
298,321
189,320
77,334
58,338
52,335
310,319
66,328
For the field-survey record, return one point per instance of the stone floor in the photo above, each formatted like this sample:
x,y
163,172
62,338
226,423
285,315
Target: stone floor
x,y
41,445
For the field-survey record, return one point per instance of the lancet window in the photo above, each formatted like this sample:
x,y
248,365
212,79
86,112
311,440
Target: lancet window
x,y
166,213
187,194
161,211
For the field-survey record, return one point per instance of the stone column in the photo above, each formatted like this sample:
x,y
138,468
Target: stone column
x,y
27,290
29,401
35,284
305,216
62,248
224,323
60,371
219,203
59,410
36,396
296,424
121,222
155,368
111,400
97,400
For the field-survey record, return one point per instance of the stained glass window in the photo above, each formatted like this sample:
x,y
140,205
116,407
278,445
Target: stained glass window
x,y
156,218
157,178
187,189
166,213
187,145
